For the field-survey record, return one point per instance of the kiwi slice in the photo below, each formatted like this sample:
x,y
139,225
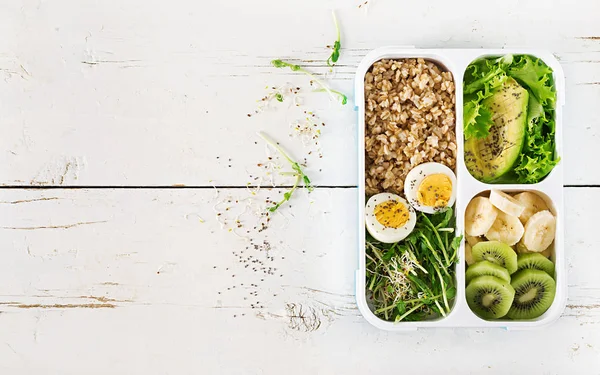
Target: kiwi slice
x,y
534,294
535,261
496,252
486,268
489,297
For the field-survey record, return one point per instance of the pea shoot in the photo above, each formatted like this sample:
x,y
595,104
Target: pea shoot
x,y
297,68
414,279
335,54
298,173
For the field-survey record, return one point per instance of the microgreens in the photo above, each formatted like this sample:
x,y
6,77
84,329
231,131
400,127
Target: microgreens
x,y
298,173
308,130
276,93
297,68
335,54
414,279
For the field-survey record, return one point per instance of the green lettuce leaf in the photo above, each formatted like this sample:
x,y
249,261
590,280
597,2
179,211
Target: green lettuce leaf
x,y
535,118
538,161
535,111
482,78
477,120
533,170
485,76
536,77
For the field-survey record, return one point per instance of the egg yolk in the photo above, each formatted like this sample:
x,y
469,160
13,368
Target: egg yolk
x,y
391,214
435,190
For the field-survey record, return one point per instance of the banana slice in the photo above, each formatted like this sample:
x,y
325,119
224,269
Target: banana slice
x,y
506,228
520,248
547,253
539,231
468,254
479,216
506,203
532,202
472,240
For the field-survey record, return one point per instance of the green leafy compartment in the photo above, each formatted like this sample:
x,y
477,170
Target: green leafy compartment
x,y
415,279
486,75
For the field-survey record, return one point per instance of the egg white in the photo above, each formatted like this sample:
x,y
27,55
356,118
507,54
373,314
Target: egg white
x,y
388,234
415,177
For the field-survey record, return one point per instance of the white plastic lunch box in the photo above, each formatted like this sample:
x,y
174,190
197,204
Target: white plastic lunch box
x,y
551,188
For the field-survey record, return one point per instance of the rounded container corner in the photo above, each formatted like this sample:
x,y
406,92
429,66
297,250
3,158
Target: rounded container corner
x,y
370,317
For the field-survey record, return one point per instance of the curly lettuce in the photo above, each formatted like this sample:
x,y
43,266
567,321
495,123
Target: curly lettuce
x,y
483,77
536,77
478,120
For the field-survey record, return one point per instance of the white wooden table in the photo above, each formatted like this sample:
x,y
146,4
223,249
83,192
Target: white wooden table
x,y
117,119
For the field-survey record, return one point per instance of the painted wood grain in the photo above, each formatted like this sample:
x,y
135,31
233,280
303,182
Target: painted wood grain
x,y
152,92
164,281
152,281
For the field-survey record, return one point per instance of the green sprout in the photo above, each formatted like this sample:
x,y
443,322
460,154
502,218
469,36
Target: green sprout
x,y
324,87
335,54
298,173
279,97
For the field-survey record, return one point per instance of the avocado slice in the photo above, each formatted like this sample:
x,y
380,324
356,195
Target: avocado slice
x,y
489,158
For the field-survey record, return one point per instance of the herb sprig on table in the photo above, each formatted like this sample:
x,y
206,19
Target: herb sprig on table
x,y
297,172
414,279
337,45
335,95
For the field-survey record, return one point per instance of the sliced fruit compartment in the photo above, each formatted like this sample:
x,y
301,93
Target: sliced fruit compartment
x,y
510,118
512,240
400,280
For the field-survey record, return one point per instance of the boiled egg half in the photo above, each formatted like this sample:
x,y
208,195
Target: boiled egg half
x,y
430,187
389,217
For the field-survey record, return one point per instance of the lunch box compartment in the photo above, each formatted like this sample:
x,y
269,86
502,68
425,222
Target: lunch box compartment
x,y
558,77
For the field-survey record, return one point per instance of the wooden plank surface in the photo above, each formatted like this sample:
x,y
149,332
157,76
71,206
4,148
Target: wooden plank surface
x,y
132,281
135,276
150,92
